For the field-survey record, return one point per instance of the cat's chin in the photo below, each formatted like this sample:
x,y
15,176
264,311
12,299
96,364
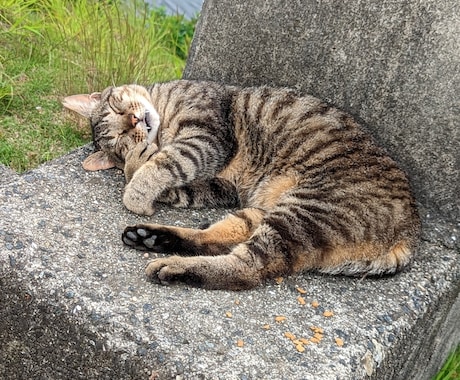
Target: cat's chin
x,y
152,123
152,137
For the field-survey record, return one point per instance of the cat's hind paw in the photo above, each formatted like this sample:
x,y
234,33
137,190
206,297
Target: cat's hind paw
x,y
170,270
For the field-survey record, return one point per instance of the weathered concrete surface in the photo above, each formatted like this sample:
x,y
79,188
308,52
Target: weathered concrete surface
x,y
75,303
393,64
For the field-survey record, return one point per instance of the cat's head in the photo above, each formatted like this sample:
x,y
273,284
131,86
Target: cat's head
x,y
120,118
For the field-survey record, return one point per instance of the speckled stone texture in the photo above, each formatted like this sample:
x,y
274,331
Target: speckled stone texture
x,y
74,302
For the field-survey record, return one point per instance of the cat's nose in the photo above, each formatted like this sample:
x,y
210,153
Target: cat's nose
x,y
134,120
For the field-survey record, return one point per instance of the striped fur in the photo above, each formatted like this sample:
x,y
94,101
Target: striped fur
x,y
315,192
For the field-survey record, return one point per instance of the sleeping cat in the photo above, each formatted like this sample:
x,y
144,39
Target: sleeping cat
x,y
314,191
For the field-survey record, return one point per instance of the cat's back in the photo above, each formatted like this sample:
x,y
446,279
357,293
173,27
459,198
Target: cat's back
x,y
274,130
300,141
281,129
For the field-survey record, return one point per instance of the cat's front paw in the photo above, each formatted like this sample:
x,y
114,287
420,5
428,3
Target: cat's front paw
x,y
137,200
170,270
137,157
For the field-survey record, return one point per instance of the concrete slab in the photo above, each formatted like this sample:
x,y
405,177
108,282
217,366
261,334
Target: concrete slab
x,y
75,302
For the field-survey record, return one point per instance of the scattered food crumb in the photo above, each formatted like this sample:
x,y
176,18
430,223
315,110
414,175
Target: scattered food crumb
x,y
339,342
279,280
317,329
301,290
266,327
315,303
237,302
240,343
280,318
299,343
301,300
228,314
328,313
318,336
300,348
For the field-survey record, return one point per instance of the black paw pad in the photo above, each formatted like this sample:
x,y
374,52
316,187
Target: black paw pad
x,y
151,239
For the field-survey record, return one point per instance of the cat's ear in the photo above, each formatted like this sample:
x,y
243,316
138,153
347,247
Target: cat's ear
x,y
98,161
82,104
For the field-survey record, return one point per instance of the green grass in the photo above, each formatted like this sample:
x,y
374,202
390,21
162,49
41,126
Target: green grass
x,y
451,368
53,48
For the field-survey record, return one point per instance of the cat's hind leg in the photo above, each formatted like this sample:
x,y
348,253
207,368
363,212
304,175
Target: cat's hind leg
x,y
217,239
209,272
248,264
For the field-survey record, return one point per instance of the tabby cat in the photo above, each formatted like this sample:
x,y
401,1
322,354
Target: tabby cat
x,y
315,192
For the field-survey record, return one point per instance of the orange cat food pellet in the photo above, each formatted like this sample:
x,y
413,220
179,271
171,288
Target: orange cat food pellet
x,y
300,348
280,319
289,335
301,290
317,329
314,340
318,336
304,341
301,300
228,314
240,343
266,327
328,313
339,342
315,304
279,280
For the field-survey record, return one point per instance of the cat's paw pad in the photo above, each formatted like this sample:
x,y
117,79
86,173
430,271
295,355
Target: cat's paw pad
x,y
167,271
139,238
150,239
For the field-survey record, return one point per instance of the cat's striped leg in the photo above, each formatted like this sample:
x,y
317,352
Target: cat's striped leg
x,y
218,239
248,264
209,272
288,240
216,192
199,154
